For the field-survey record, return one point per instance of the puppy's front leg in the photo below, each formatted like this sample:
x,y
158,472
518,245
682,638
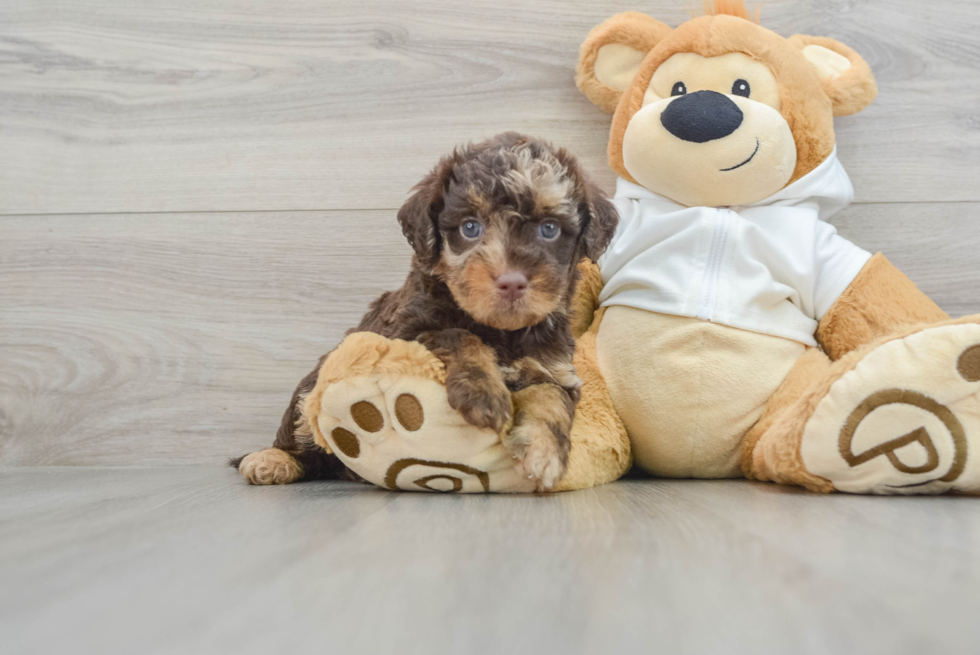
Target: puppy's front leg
x,y
474,383
544,410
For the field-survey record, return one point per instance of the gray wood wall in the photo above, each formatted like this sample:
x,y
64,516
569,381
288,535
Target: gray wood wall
x,y
197,197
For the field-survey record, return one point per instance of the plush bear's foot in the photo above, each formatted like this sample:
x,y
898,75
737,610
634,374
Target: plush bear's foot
x,y
381,406
901,418
270,466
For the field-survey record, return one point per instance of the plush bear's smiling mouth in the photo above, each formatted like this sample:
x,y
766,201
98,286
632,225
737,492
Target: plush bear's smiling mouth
x,y
751,157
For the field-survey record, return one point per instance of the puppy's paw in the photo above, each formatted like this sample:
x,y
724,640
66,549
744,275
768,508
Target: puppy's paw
x,y
541,450
482,400
270,466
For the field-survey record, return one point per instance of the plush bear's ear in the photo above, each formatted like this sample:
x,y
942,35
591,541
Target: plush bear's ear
x,y
612,53
419,215
846,77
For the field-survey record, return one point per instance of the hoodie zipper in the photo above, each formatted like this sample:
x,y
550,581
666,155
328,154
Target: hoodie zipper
x,y
708,298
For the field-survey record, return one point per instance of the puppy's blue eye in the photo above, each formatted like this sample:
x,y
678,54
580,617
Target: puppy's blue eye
x,y
549,230
471,229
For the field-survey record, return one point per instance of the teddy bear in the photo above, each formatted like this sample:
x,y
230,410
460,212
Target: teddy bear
x,y
728,331
738,334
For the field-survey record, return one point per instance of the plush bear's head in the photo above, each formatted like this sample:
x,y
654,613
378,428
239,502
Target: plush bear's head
x,y
719,111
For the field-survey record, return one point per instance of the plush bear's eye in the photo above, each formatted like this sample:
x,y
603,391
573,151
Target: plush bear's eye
x,y
679,89
741,88
549,230
471,229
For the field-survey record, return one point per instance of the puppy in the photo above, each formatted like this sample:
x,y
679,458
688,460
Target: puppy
x,y
497,228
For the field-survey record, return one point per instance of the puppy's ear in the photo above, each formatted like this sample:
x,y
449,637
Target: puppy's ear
x,y
600,224
598,217
419,215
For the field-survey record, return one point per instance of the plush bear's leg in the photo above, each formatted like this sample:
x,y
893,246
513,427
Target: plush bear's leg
x,y
897,416
773,455
879,301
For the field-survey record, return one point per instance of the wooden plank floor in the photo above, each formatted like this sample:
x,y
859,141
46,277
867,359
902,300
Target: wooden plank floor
x,y
186,560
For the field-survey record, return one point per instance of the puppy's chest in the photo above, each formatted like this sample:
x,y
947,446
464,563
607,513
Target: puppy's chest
x,y
510,346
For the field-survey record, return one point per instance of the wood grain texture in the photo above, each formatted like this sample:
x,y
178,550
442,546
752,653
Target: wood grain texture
x,y
173,338
205,105
191,560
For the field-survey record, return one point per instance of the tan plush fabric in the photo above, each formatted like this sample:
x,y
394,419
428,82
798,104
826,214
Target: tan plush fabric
x,y
586,298
701,73
773,456
777,454
850,89
814,85
688,390
730,8
891,406
380,405
632,31
600,446
880,300
905,419
688,173
616,64
803,103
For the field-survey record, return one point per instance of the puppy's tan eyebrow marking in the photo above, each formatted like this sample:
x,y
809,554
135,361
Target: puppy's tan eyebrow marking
x,y
480,203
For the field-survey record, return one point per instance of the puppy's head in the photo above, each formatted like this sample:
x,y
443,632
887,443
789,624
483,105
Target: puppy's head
x,y
503,223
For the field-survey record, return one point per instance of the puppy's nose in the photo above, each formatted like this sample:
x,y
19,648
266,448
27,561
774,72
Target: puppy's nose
x,y
701,116
511,285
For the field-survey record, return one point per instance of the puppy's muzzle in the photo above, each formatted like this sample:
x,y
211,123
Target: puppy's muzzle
x,y
511,285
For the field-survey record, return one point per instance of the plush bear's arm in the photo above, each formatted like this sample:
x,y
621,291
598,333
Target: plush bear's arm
x,y
877,302
586,299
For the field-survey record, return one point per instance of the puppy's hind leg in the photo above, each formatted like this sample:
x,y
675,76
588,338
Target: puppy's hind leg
x,y
275,466
269,466
294,457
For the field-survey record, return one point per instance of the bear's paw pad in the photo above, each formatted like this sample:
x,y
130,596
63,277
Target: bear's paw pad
x,y
399,432
905,420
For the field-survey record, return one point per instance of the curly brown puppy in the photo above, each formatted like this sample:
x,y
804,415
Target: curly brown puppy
x,y
497,228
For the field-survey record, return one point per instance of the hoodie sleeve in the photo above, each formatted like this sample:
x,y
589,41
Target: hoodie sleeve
x,y
837,262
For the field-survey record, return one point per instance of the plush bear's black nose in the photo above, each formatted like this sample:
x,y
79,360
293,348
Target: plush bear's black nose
x,y
701,116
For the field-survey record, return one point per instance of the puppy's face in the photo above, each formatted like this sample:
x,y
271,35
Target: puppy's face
x,y
510,220
509,231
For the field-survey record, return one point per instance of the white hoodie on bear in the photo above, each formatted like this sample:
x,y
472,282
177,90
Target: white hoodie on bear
x,y
773,267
